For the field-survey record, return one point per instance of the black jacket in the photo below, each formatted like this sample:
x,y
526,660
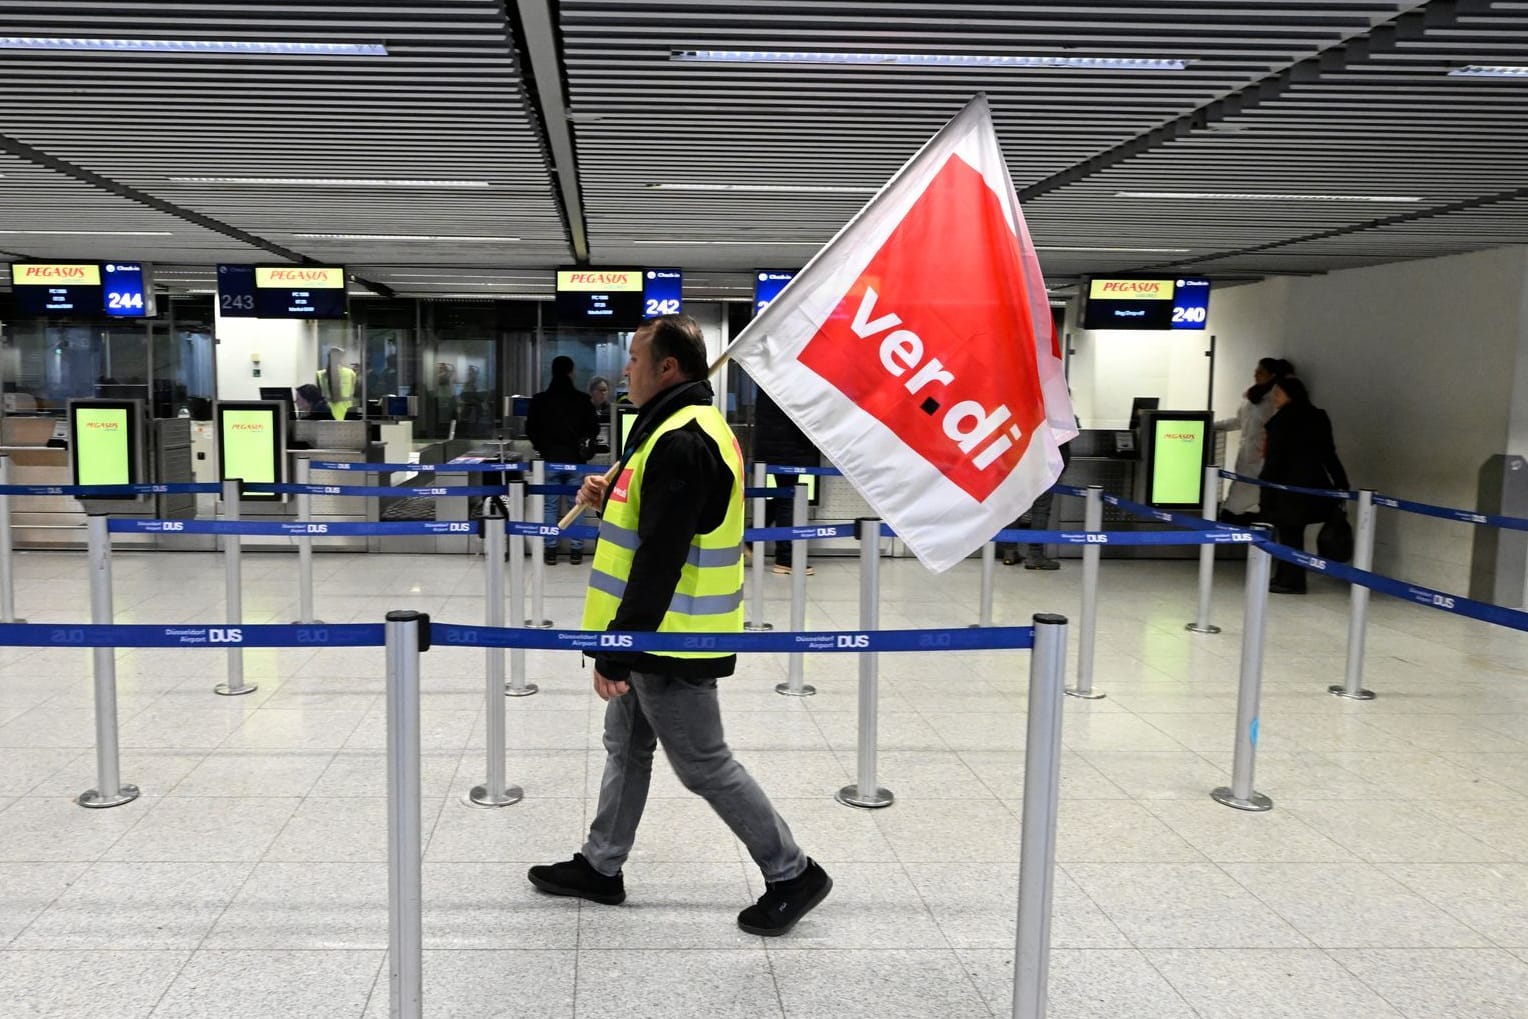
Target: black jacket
x,y
686,490
777,440
1300,452
561,421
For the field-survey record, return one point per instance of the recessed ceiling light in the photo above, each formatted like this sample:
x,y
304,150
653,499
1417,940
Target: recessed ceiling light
x,y
803,189
1146,251
258,47
1490,71
89,233
928,59
345,182
404,237
1245,196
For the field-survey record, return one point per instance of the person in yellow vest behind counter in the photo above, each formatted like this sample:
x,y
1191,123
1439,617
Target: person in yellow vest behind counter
x,y
336,381
670,559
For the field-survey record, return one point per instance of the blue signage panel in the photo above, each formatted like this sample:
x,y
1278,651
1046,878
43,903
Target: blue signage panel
x,y
767,284
127,290
236,291
1191,303
662,292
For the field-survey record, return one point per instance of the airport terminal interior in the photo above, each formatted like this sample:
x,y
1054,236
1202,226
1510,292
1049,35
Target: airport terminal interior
x,y
340,245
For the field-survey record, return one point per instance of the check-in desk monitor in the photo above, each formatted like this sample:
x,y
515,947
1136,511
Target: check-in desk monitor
x,y
252,444
1175,450
106,440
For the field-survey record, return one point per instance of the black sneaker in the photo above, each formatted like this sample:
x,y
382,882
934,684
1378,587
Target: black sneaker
x,y
550,556
577,879
785,902
576,557
1041,562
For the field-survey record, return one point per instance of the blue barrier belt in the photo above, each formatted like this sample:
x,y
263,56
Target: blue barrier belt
x,y
1072,490
1196,537
191,635
807,533
292,528
1445,513
377,490
769,493
551,489
822,472
1458,604
529,530
381,468
172,488
1327,493
963,639
552,468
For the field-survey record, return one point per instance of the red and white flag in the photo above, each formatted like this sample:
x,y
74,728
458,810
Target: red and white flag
x,y
917,350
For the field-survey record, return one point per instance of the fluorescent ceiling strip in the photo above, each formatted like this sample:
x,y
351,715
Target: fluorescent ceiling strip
x,y
1148,251
348,182
404,237
1490,71
802,189
746,244
928,59
1243,196
250,46
89,233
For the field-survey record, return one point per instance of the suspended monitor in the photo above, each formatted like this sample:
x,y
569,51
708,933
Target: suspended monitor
x,y
252,444
300,291
1156,304
600,297
105,443
53,288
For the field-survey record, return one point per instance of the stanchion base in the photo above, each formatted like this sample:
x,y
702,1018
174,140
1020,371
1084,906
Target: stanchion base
x,y
93,800
756,627
1084,695
224,690
1257,804
1342,691
850,796
538,624
307,622
18,619
480,797
1206,628
523,691
806,690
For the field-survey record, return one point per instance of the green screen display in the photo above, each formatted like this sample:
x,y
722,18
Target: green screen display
x,y
1177,467
102,451
810,480
250,445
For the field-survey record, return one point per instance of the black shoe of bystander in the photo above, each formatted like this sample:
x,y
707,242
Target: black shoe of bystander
x,y
785,902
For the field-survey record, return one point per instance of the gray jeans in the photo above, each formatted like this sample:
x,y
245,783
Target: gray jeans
x,y
685,716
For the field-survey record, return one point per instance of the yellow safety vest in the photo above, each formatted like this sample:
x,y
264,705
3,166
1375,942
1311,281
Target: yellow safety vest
x,y
709,597
339,403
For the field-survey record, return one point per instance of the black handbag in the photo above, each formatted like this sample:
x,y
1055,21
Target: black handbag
x,y
1335,539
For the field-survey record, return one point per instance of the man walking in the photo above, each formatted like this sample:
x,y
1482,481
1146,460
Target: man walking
x,y
561,424
669,559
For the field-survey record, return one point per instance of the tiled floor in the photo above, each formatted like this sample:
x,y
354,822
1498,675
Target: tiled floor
x,y
1390,880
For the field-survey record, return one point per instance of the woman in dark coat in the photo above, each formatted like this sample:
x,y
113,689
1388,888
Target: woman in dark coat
x,y
1300,452
778,441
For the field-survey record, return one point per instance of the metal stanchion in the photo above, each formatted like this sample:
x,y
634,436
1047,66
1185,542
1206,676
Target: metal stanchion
x,y
517,686
7,571
1042,795
1240,793
234,586
407,635
494,792
795,685
989,576
1093,520
864,792
537,620
756,575
305,547
1358,611
110,791
1211,510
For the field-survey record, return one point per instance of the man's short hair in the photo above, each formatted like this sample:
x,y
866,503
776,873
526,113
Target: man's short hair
x,y
679,337
562,365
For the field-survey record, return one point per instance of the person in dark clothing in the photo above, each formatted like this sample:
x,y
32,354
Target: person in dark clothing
x,y
1300,452
561,426
777,441
314,406
670,559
